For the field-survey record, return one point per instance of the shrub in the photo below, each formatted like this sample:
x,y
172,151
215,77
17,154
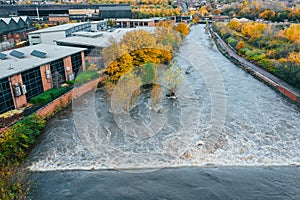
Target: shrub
x,y
255,55
16,140
244,50
48,96
86,76
70,82
266,64
233,42
240,45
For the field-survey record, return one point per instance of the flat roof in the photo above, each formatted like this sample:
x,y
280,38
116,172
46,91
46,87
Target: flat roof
x,y
97,22
12,65
63,27
115,7
103,40
88,34
134,20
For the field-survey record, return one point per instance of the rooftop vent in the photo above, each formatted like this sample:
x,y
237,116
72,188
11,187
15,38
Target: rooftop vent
x,y
38,54
17,54
2,56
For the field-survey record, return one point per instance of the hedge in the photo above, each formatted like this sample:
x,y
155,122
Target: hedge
x,y
48,96
85,77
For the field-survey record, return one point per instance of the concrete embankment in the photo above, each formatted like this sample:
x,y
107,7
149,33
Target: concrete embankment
x,y
276,83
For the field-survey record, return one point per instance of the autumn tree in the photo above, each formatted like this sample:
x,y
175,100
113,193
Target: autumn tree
x,y
166,35
216,11
156,94
134,50
196,19
203,11
234,24
240,45
182,28
267,14
139,39
293,33
125,93
253,30
114,51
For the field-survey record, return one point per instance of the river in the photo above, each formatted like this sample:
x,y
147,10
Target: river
x,y
225,132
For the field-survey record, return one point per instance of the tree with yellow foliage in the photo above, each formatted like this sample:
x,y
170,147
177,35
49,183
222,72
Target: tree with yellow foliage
x,y
216,12
135,49
182,28
203,11
139,39
253,30
240,45
293,33
267,14
234,24
167,36
196,19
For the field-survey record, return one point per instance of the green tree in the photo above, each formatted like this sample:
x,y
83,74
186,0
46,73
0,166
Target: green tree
x,y
172,77
149,72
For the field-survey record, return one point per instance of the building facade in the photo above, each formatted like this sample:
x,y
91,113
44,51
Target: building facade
x,y
99,25
29,71
48,35
114,11
132,23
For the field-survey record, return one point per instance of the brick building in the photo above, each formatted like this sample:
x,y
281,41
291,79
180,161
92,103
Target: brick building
x,y
28,71
13,30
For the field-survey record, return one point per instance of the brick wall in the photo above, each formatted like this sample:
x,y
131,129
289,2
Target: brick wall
x,y
47,83
20,101
65,99
68,63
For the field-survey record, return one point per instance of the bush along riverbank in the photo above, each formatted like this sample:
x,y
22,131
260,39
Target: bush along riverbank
x,y
273,47
253,67
17,140
15,143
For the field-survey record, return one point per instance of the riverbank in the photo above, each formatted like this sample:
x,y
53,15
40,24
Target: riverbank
x,y
279,85
17,141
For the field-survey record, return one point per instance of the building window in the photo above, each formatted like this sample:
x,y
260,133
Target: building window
x,y
76,63
35,37
6,99
58,66
33,80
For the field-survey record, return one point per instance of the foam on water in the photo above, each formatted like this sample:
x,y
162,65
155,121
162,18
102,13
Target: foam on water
x,y
238,121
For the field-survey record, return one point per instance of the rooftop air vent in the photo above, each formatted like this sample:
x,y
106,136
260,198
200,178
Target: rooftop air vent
x,y
38,54
2,56
17,54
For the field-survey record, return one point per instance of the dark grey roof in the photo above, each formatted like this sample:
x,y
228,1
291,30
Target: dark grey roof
x,y
114,7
